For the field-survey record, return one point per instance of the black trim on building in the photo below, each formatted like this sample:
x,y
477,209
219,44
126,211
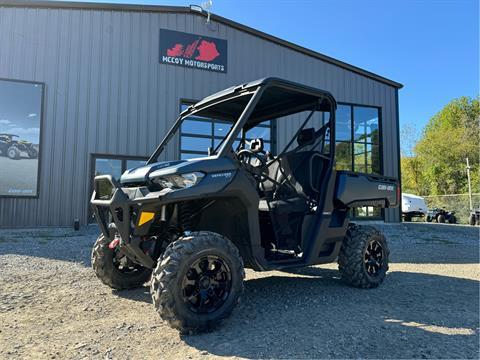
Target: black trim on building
x,y
399,155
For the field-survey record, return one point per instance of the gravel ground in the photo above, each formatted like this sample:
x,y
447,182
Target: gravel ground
x,y
52,306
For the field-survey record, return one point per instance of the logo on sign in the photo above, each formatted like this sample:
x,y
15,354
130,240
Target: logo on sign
x,y
190,50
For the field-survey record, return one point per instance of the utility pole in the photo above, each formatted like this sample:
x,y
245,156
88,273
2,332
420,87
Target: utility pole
x,y
469,186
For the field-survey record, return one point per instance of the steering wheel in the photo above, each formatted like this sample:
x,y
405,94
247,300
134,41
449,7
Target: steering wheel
x,y
245,156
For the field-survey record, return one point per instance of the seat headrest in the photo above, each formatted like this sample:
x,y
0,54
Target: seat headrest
x,y
306,136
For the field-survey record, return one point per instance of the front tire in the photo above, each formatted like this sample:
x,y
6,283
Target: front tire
x,y
115,269
198,282
441,219
363,258
13,153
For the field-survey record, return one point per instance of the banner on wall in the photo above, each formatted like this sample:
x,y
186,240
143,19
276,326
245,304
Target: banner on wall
x,y
193,51
20,124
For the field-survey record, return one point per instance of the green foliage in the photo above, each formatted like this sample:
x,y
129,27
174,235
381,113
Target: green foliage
x,y
437,165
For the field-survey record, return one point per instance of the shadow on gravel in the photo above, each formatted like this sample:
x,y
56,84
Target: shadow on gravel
x,y
314,315
142,294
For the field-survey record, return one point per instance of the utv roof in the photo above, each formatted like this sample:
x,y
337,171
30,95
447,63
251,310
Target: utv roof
x,y
280,98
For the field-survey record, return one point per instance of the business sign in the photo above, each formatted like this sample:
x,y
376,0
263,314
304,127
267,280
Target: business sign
x,y
20,124
193,51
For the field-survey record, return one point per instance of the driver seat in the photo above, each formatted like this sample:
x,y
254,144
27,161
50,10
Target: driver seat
x,y
293,168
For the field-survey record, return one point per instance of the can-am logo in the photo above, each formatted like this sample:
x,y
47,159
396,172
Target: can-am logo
x,y
194,51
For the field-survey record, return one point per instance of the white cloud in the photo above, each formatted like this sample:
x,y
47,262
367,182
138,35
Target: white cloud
x,y
32,115
5,121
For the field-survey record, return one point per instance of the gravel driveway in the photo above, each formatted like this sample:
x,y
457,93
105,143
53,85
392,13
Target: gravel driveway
x,y
52,306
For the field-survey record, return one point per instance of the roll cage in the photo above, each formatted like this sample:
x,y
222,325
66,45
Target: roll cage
x,y
247,105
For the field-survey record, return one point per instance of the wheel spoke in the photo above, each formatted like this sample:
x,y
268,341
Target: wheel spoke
x,y
206,284
373,257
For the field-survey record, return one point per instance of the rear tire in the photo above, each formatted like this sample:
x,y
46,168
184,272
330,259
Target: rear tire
x,y
363,258
191,294
441,219
32,153
472,220
104,266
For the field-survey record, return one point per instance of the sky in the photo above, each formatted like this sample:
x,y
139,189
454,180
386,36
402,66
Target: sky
x,y
20,110
430,46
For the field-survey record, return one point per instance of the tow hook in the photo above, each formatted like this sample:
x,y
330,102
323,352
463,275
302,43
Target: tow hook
x,y
114,243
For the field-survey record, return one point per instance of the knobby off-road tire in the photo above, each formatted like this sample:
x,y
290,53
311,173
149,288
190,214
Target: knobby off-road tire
x,y
441,219
13,153
105,269
472,220
178,282
352,261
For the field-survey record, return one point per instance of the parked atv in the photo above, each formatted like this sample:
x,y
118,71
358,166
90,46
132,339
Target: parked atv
x,y
441,216
191,226
13,148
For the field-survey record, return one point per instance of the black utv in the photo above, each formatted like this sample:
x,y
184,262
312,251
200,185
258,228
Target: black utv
x,y
441,216
13,148
191,226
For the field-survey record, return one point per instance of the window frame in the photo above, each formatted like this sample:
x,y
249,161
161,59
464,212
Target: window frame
x,y
352,142
213,137
40,139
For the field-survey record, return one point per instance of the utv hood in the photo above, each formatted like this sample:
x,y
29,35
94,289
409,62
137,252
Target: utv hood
x,y
141,175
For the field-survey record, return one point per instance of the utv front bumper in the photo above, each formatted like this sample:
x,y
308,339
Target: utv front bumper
x,y
117,212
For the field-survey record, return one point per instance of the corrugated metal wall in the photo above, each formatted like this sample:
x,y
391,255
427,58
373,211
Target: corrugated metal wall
x,y
105,92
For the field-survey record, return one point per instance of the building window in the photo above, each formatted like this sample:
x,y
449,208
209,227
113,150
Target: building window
x,y
114,165
357,139
20,125
357,146
197,134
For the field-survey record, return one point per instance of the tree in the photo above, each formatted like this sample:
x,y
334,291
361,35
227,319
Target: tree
x,y
448,138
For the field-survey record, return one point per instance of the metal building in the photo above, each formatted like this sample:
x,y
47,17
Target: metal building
x,y
91,88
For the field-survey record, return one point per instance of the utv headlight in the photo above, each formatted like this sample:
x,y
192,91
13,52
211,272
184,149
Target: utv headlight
x,y
179,181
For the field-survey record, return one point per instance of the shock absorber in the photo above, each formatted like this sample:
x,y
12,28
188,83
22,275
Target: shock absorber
x,y
186,215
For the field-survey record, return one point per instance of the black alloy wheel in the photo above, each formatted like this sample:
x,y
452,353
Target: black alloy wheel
x,y
373,257
207,284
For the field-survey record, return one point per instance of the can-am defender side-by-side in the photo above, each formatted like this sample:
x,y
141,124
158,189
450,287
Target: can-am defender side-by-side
x,y
193,225
13,148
